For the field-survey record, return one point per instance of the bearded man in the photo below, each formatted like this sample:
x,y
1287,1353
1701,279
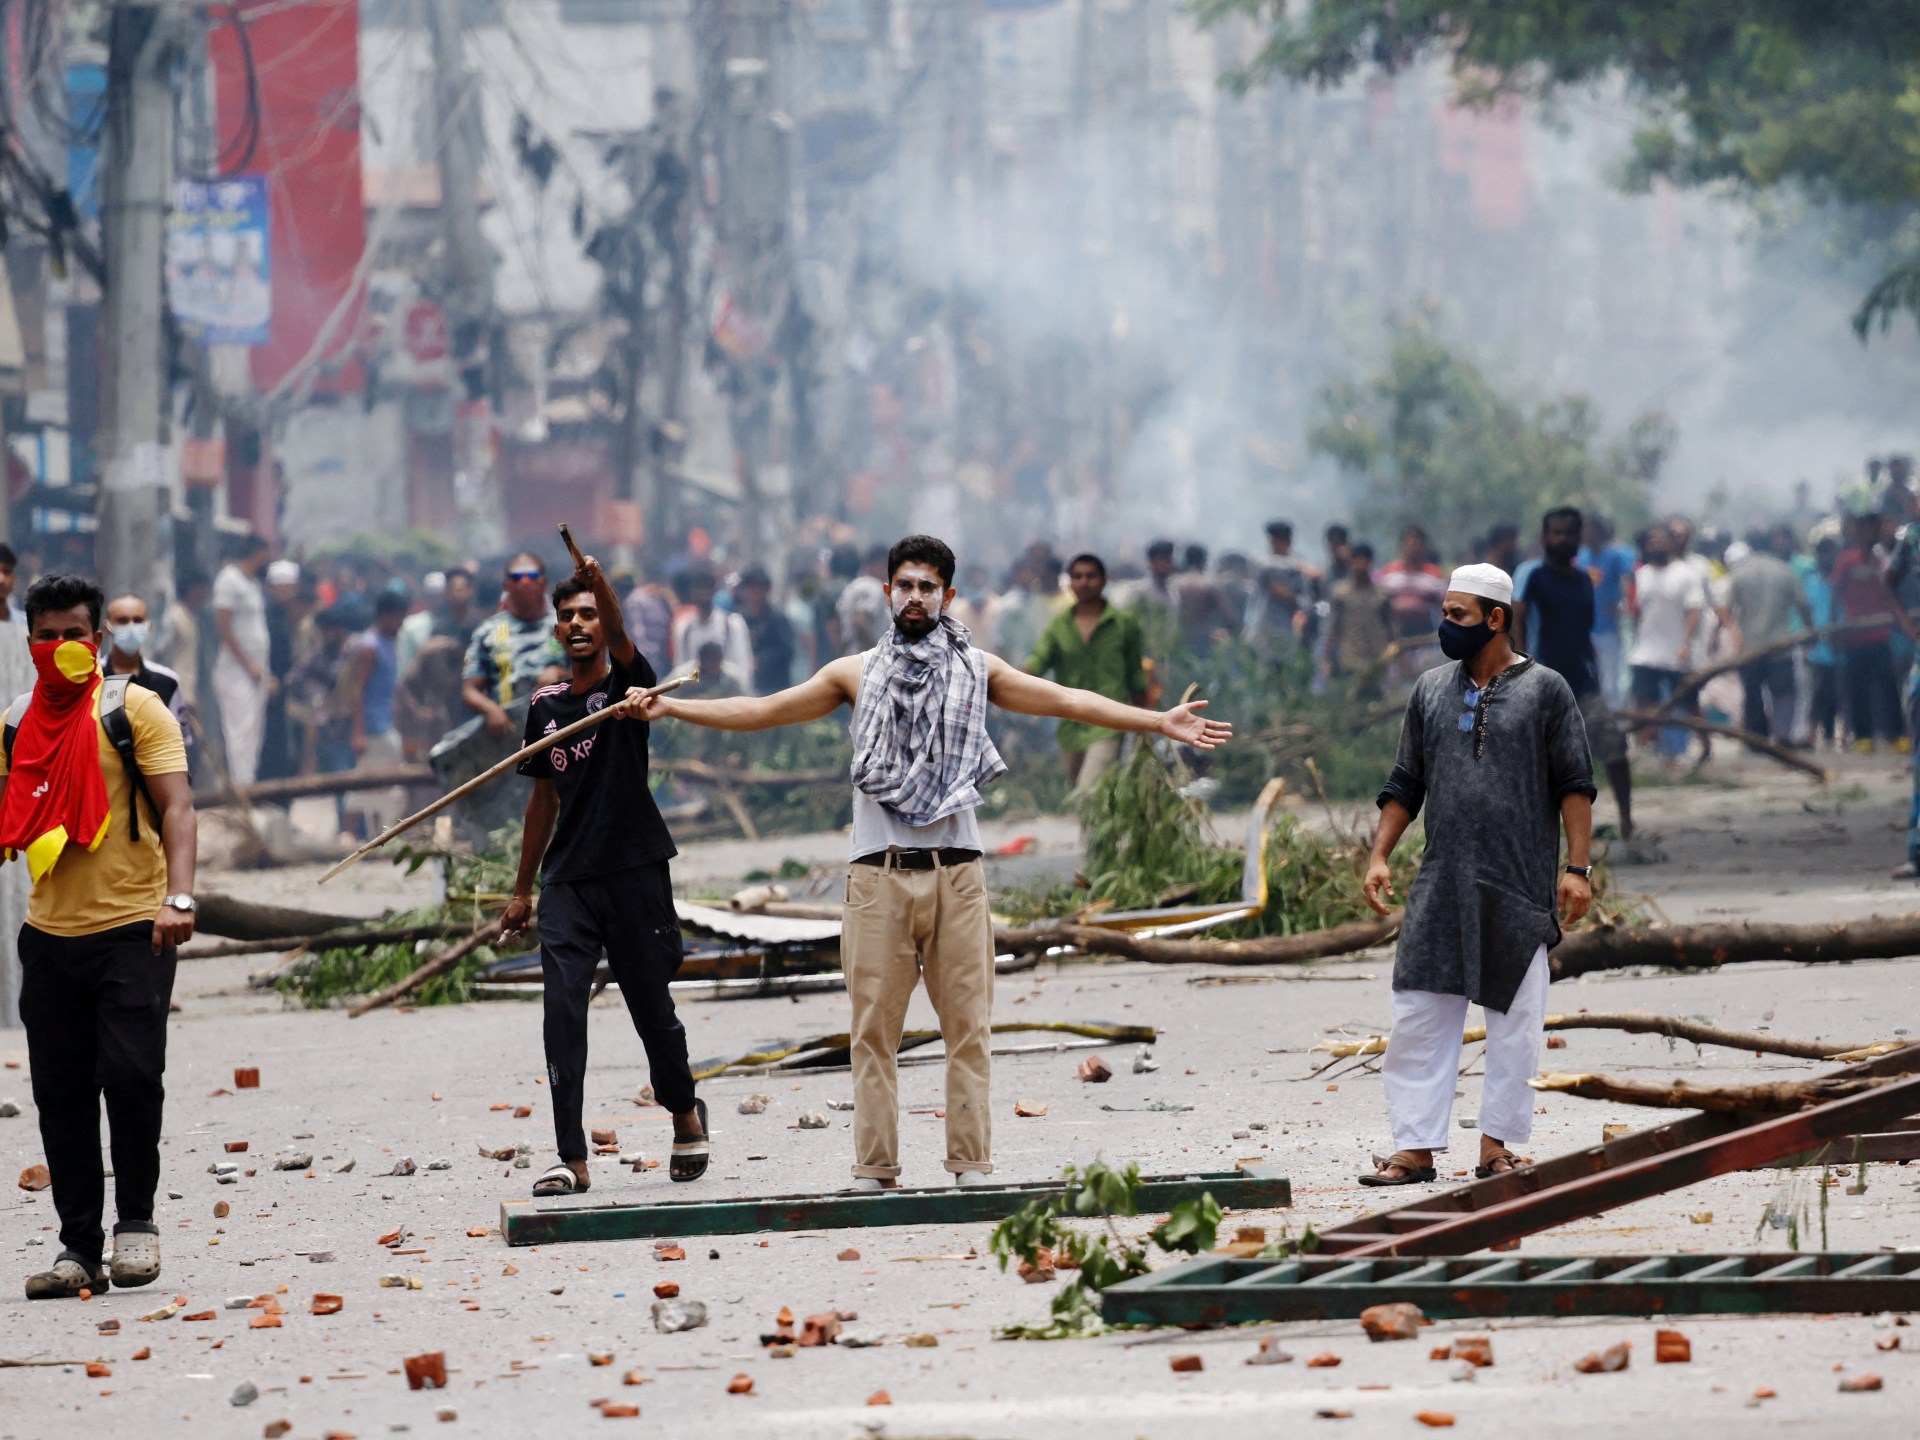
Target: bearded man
x,y
916,902
1493,747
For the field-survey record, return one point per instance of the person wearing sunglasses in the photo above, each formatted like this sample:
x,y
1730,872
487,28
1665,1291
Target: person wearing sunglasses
x,y
1494,749
512,651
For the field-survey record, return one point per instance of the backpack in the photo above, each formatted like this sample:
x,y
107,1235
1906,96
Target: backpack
x,y
113,715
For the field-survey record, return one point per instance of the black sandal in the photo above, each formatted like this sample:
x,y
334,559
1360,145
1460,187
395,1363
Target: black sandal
x,y
1485,1171
1401,1160
690,1157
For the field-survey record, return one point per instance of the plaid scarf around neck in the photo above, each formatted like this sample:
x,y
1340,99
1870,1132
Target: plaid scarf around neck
x,y
920,744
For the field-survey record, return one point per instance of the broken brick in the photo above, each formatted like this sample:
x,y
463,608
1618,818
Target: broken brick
x,y
1670,1347
1093,1070
221,1209
476,1232
1186,1364
1397,1321
818,1330
740,1385
1326,1360
669,1252
605,1136
35,1177
1601,1362
1434,1419
633,1377
1854,1384
848,1254
1029,1109
611,1410
599,1357
143,1353
328,1304
426,1372
98,1371
1440,1352
236,1147
879,1397
1556,1042
666,1289
266,1320
198,1315
1888,1341
276,1428
246,1077
1476,1350
521,1112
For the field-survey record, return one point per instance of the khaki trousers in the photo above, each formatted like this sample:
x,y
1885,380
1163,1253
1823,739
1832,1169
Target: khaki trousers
x,y
901,925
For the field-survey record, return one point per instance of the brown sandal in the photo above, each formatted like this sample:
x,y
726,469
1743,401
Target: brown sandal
x,y
1485,1169
1414,1173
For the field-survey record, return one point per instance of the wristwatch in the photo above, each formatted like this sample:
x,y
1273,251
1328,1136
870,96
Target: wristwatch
x,y
1585,872
180,902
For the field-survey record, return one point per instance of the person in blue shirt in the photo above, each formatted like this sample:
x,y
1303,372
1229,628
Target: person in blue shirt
x,y
1610,566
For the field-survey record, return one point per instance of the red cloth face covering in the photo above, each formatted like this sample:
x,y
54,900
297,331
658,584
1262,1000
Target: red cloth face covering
x,y
56,792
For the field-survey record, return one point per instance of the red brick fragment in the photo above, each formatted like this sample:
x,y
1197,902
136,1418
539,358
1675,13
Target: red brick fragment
x,y
1670,1347
1614,1357
426,1372
1186,1364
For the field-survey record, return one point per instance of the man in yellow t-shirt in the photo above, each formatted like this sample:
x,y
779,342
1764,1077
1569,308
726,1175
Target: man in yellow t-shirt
x,y
97,963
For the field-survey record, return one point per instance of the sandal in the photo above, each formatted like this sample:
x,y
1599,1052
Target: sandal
x,y
1486,1170
561,1179
70,1275
690,1156
1413,1174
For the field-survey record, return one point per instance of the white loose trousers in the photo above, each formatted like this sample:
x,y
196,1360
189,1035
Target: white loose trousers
x,y
1423,1063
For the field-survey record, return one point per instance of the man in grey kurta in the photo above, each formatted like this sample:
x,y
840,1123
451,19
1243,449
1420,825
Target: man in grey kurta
x,y
1494,751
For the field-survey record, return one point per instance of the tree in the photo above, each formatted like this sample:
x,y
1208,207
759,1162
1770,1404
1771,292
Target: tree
x,y
1809,95
1435,442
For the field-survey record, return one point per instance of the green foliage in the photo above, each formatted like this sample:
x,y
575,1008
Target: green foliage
x,y
477,886
1819,99
1434,441
1037,1234
413,549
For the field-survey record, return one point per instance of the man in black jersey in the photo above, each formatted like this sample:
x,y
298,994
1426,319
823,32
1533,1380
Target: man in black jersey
x,y
604,881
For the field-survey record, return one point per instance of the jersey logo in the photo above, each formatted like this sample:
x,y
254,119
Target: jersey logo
x,y
557,757
552,725
596,701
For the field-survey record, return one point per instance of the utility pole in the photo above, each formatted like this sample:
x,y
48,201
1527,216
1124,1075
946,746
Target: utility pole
x,y
458,153
744,53
131,553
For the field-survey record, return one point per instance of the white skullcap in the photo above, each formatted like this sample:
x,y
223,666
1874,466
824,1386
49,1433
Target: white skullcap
x,y
1489,582
283,572
434,582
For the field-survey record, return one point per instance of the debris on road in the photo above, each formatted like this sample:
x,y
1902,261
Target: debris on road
x,y
1397,1321
426,1372
1670,1347
35,1177
671,1316
1186,1364
740,1385
1268,1352
1029,1109
1094,1071
1605,1362
1859,1384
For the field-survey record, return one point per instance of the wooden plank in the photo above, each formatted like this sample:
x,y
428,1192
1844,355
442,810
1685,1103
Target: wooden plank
x,y
1546,1285
1744,1148
550,1221
1481,1196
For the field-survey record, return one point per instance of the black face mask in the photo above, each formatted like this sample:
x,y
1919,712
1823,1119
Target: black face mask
x,y
1560,554
1463,642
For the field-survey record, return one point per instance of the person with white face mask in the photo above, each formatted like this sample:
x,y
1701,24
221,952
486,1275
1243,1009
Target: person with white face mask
x,y
128,630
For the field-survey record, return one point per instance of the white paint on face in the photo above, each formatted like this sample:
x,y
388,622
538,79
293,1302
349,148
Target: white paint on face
x,y
900,599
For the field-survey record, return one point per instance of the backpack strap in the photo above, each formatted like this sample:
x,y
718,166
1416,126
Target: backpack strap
x,y
113,716
16,712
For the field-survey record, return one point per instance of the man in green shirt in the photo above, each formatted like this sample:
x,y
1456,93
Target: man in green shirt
x,y
1092,646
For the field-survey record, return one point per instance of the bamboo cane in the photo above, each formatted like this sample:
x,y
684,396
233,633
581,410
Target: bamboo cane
x,y
579,560
494,773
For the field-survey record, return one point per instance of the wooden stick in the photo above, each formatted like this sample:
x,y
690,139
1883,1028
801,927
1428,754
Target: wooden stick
x,y
1692,683
323,940
1676,1027
494,772
333,782
1650,719
572,549
438,965
1772,1097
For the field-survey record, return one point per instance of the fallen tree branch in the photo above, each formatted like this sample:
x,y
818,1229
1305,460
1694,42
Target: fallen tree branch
x,y
438,965
1772,749
333,782
1771,1097
234,919
325,940
1266,950
1676,1027
1705,947
1694,681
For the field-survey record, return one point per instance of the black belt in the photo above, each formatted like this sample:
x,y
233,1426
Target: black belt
x,y
917,859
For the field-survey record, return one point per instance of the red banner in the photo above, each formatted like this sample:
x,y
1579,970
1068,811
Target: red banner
x,y
297,67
